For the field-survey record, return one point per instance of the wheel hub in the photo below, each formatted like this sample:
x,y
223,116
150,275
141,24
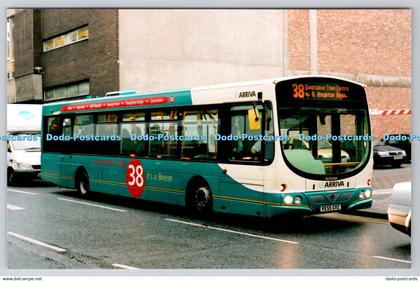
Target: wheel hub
x,y
202,196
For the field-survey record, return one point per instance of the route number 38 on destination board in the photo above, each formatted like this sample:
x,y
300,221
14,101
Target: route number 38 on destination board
x,y
299,91
134,178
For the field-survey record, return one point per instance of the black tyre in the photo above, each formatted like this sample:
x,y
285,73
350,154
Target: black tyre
x,y
11,179
82,184
200,199
396,164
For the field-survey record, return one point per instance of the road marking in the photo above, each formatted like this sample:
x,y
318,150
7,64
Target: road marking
x,y
391,259
93,205
124,266
20,191
36,242
233,231
382,191
14,208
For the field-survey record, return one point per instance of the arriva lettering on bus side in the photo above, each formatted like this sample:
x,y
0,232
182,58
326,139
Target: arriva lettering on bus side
x,y
247,94
239,164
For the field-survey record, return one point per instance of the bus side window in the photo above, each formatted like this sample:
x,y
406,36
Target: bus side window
x,y
67,126
199,129
54,126
83,125
164,129
133,130
107,124
246,148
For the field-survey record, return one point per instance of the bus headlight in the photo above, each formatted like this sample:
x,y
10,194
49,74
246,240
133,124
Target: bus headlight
x,y
361,194
368,193
298,200
288,199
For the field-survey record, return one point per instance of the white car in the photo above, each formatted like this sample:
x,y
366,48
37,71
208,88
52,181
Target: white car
x,y
399,211
23,157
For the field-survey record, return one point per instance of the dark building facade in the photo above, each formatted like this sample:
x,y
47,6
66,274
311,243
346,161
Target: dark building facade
x,y
27,49
64,53
93,60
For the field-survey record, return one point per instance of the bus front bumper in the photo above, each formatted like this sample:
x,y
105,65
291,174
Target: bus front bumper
x,y
319,203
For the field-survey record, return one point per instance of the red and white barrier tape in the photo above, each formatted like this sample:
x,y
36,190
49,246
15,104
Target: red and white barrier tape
x,y
389,111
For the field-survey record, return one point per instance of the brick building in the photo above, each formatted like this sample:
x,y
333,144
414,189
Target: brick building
x,y
59,54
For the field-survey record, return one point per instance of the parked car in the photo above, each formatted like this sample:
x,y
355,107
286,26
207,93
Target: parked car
x,y
402,141
399,211
388,155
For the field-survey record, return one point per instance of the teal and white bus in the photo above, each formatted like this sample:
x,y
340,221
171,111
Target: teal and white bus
x,y
264,148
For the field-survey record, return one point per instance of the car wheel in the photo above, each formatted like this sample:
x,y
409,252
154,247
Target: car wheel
x,y
11,179
82,184
396,164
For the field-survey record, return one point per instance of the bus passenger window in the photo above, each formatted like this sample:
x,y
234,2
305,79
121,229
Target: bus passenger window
x,y
67,126
132,138
132,134
164,130
83,125
54,126
199,129
107,125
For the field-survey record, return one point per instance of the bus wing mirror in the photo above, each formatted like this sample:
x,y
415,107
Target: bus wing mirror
x,y
254,119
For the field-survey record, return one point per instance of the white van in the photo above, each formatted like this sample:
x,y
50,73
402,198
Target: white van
x,y
23,142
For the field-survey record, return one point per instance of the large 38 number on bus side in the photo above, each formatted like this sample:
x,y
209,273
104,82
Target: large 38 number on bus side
x,y
135,175
134,178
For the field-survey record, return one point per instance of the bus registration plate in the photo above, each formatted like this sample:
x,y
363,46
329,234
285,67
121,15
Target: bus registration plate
x,y
330,208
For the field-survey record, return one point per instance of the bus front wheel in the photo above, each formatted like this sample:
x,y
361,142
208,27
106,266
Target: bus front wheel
x,y
200,199
82,184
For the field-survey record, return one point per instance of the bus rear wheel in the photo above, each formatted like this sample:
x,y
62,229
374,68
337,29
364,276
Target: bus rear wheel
x,y
82,184
200,200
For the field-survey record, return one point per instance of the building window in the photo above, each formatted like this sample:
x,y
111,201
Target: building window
x,y
67,91
10,51
66,39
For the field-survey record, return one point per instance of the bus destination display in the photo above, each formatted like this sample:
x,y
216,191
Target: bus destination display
x,y
309,91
